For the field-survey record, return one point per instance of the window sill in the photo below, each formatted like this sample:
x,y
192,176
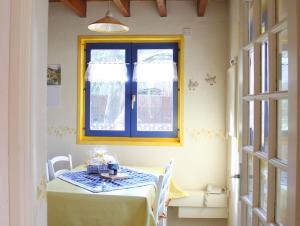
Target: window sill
x,y
130,141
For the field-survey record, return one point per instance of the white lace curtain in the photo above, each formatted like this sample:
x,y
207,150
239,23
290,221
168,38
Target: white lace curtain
x,y
155,72
143,72
106,72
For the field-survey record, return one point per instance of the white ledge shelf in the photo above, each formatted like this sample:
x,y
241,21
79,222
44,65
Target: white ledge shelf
x,y
199,204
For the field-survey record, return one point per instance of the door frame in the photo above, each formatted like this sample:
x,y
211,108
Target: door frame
x,y
294,113
4,65
24,130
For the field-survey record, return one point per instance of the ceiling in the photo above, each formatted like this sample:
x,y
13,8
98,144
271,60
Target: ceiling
x,y
79,6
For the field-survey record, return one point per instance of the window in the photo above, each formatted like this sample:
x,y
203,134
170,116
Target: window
x,y
130,90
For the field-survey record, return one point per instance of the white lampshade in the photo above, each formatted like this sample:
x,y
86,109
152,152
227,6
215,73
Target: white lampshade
x,y
108,24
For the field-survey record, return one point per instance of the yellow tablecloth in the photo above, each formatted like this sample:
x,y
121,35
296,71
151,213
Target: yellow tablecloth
x,y
69,205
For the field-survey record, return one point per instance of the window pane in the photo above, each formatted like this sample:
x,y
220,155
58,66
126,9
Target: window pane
x,y
282,60
155,55
264,125
155,106
282,130
108,55
107,106
107,99
155,98
263,184
251,71
281,10
251,123
249,216
250,21
263,15
250,175
264,67
281,197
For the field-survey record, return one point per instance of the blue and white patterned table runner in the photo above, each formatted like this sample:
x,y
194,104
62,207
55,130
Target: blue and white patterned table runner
x,y
94,183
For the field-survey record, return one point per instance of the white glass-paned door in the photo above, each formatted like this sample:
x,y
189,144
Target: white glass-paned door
x,y
265,122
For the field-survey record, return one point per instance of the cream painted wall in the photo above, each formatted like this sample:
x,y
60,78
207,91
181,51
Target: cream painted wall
x,y
39,54
233,153
4,65
203,157
234,31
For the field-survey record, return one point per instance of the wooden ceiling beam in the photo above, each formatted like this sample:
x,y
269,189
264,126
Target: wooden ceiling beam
x,y
78,6
162,7
123,6
201,7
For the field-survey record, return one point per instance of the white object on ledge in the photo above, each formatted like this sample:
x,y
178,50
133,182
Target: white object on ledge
x,y
195,206
213,189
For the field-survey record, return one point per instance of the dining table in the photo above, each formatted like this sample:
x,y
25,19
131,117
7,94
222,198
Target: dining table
x,y
71,205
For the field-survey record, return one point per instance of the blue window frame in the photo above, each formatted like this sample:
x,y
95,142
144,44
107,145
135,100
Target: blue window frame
x,y
149,108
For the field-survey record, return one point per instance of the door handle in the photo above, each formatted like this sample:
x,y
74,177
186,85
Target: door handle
x,y
133,99
236,176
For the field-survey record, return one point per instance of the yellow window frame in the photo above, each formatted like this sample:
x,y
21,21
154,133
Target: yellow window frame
x,y
81,137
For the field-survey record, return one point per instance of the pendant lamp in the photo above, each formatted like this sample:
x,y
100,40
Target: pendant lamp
x,y
108,24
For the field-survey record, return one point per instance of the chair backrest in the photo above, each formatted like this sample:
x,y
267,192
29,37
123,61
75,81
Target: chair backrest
x,y
161,199
52,173
47,172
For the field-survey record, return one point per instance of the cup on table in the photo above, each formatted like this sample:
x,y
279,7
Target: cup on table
x,y
113,168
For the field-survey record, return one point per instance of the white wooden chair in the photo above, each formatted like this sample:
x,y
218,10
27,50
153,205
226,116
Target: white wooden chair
x,y
52,173
161,201
47,172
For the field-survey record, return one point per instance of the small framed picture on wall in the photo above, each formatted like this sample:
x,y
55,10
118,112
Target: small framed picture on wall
x,y
54,74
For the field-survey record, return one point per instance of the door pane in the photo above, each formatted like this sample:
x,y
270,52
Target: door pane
x,y
281,197
250,176
264,67
251,123
250,22
282,130
263,15
251,71
264,125
263,185
282,60
281,10
249,216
